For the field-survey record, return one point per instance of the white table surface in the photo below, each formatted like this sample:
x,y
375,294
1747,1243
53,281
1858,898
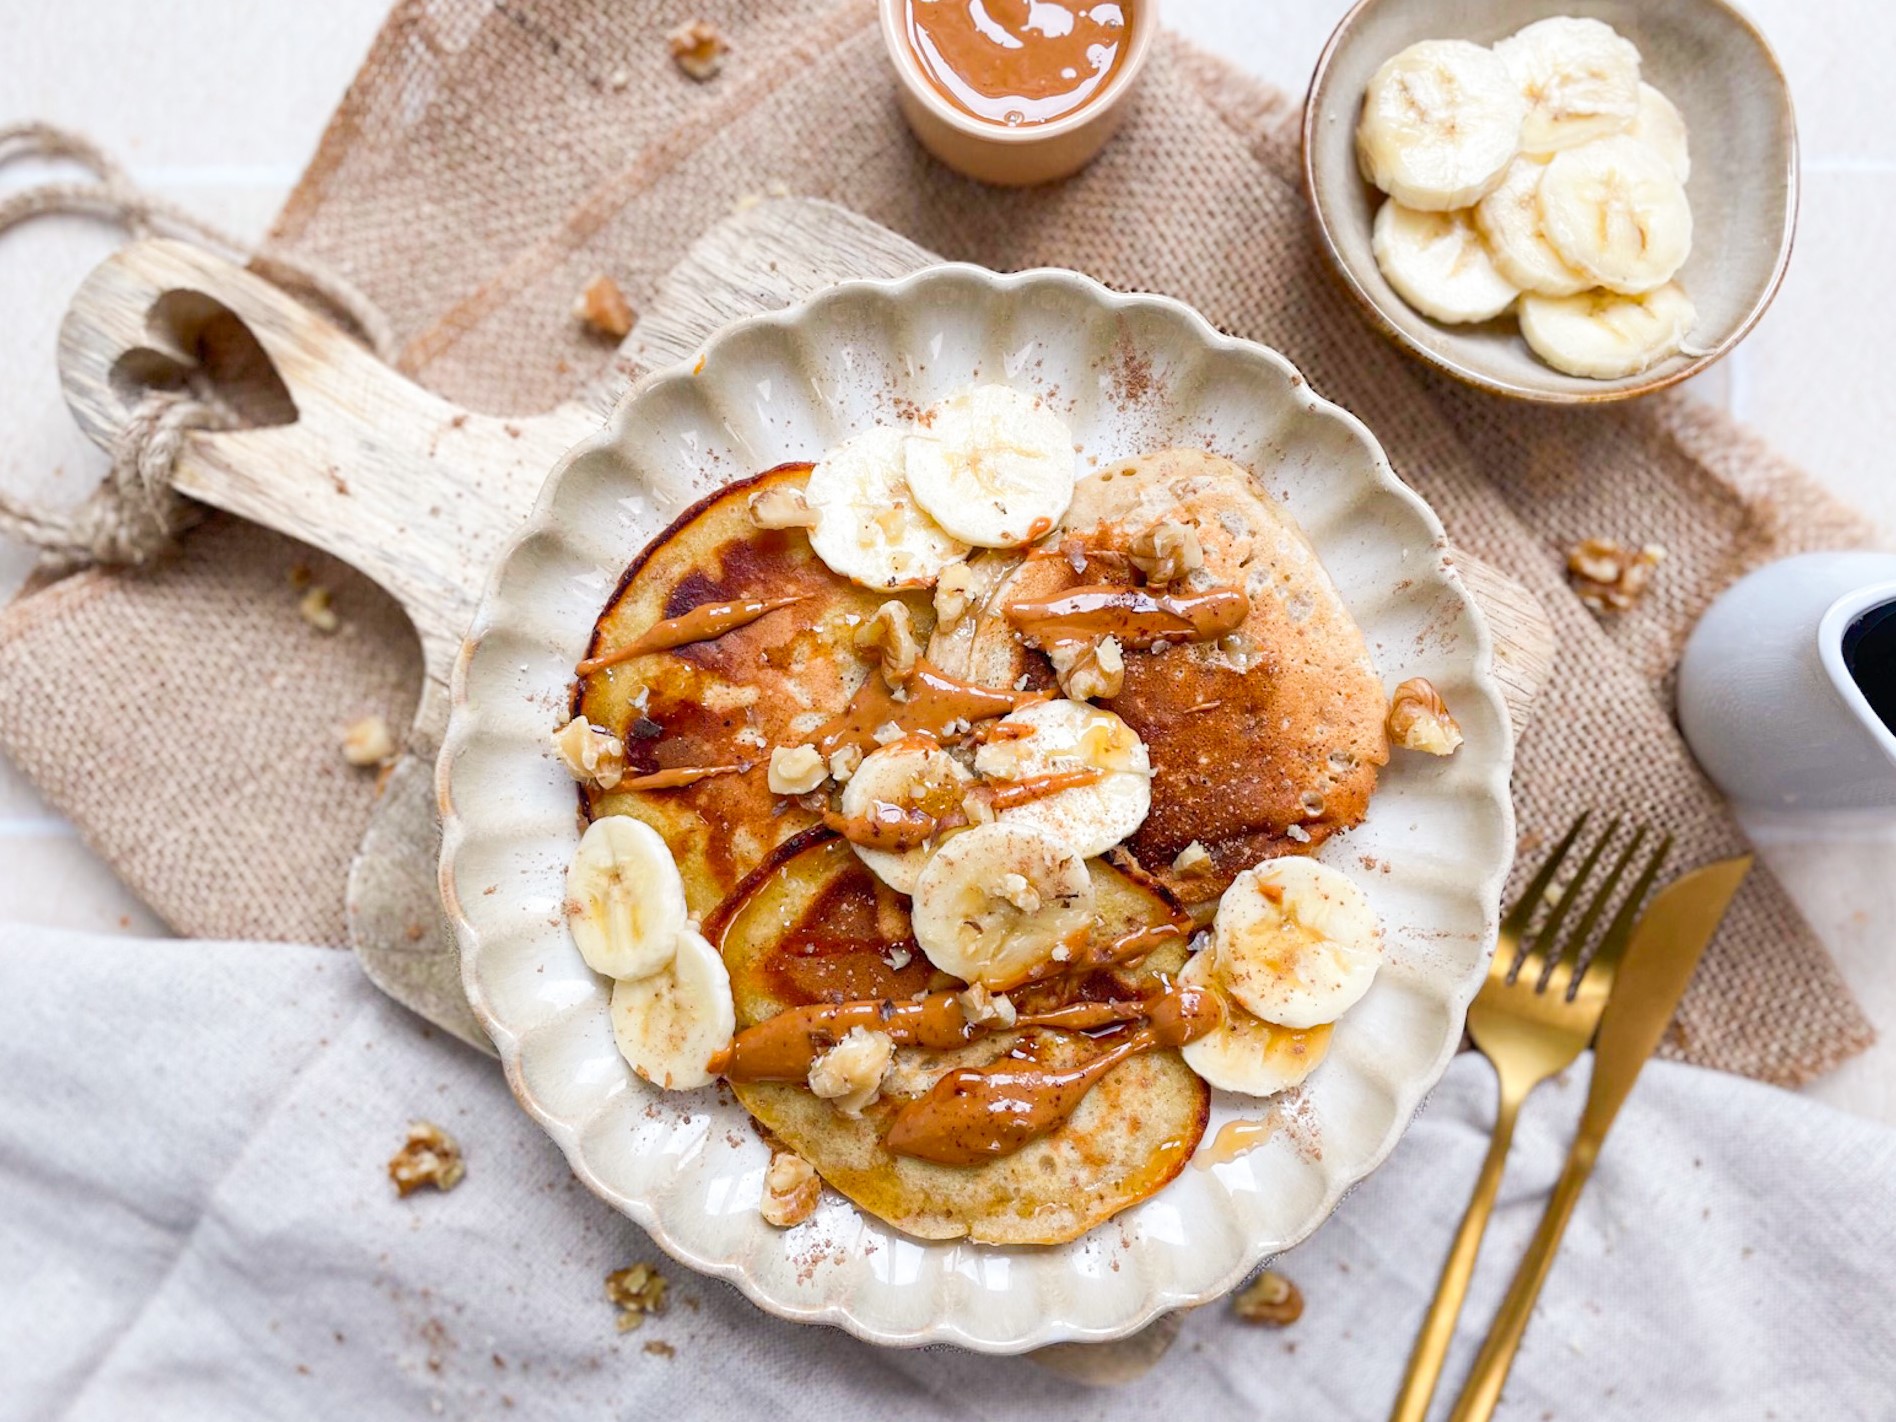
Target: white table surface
x,y
218,104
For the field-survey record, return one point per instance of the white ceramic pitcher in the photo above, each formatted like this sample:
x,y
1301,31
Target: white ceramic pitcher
x,y
1768,700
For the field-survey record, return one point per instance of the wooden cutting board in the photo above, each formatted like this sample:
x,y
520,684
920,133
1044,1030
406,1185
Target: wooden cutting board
x,y
421,496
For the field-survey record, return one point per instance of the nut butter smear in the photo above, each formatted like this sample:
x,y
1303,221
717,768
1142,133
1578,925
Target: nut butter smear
x,y
1136,616
1019,62
705,623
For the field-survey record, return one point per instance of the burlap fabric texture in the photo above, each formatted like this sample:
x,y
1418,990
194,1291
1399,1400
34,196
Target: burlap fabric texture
x,y
490,158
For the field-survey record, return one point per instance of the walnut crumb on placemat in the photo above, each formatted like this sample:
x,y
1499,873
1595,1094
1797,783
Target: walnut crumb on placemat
x,y
638,1290
1608,577
698,48
430,1156
1271,1300
603,308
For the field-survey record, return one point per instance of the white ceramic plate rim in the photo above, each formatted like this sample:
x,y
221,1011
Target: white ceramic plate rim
x,y
474,919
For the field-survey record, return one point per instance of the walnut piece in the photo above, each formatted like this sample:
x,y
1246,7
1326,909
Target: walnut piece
x,y
368,741
697,48
1017,891
316,611
843,762
984,1008
638,1290
849,1074
791,1190
954,589
781,506
1419,719
1609,578
430,1156
1089,669
603,307
1271,1300
1167,551
795,770
590,755
890,634
1193,861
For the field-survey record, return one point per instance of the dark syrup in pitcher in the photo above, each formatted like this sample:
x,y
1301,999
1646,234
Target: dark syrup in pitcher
x,y
1869,651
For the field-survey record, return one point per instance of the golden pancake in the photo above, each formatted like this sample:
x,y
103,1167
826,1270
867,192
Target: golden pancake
x,y
806,929
1278,726
730,699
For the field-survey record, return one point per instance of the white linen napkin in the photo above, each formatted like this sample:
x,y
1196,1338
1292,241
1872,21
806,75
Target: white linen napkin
x,y
195,1222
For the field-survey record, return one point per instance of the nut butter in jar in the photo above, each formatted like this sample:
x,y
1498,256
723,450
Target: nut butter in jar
x,y
1016,91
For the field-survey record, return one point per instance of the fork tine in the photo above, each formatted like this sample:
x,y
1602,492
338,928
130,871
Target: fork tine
x,y
1541,950
1606,958
1582,932
1522,912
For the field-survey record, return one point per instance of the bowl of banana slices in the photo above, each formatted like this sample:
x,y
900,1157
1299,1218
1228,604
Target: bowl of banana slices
x,y
1563,201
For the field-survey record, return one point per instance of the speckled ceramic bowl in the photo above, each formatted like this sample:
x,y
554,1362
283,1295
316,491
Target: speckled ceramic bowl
x,y
1702,54
1131,374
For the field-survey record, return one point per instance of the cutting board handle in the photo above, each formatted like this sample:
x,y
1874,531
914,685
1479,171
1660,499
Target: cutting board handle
x,y
333,447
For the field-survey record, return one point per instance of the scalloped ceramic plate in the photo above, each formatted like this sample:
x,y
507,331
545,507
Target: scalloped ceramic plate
x,y
1132,374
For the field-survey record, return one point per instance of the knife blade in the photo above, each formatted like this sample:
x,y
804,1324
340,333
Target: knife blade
x,y
1661,956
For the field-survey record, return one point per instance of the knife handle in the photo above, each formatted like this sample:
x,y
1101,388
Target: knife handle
x,y
1482,1391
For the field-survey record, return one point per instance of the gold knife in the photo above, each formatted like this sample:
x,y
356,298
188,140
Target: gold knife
x,y
1664,950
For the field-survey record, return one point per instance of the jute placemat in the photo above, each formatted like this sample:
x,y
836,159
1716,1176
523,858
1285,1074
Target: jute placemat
x,y
490,159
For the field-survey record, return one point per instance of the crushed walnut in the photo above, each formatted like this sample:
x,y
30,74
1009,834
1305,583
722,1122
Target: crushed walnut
x,y
890,634
315,607
368,741
1609,578
1419,719
1089,669
954,592
1167,552
590,755
430,1156
796,770
698,48
602,306
638,1290
843,761
1272,1300
791,1190
984,1008
1017,891
1193,861
849,1074
781,506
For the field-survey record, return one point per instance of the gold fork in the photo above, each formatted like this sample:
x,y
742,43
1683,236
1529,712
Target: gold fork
x,y
1532,1018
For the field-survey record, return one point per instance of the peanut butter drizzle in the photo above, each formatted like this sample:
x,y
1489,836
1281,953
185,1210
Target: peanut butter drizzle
x,y
704,623
1138,617
676,776
936,701
885,826
1127,948
974,1114
1007,794
785,1047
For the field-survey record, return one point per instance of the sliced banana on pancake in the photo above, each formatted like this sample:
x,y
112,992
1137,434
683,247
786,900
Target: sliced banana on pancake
x,y
869,526
998,901
1245,1053
995,468
1297,944
1068,736
914,773
670,1024
625,901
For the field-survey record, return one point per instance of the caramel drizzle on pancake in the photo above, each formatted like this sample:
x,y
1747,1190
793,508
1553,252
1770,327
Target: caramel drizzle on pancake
x,y
704,623
1007,794
935,701
677,776
885,826
1138,617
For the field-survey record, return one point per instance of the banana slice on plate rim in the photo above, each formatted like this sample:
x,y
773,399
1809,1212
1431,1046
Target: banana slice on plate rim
x,y
670,1024
869,526
1297,943
1244,1053
625,902
992,466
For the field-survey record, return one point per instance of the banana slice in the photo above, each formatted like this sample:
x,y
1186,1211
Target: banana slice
x,y
1246,1053
997,901
1580,78
625,903
1068,736
1437,263
671,1023
1660,126
869,526
1441,121
1615,210
992,466
914,773
1510,223
1603,335
1297,942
